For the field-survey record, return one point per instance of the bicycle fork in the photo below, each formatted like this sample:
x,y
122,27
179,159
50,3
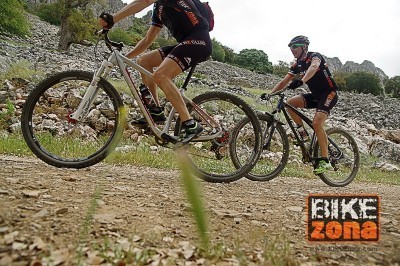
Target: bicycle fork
x,y
91,92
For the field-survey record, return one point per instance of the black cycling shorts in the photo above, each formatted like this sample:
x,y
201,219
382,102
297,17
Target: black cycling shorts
x,y
195,48
324,103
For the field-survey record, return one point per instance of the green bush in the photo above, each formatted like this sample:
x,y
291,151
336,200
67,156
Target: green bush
x,y
218,53
120,35
392,86
364,82
281,69
340,80
50,13
81,23
254,60
12,18
161,42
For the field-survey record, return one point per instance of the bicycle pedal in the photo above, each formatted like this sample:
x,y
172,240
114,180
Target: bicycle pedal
x,y
169,138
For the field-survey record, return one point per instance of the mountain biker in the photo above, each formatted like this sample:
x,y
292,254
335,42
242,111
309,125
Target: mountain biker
x,y
313,71
190,29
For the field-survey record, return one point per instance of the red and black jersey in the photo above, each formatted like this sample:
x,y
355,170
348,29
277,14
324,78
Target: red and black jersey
x,y
181,17
322,80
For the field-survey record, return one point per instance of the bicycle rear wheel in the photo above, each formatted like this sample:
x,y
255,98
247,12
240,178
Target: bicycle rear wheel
x,y
274,153
210,159
61,141
344,157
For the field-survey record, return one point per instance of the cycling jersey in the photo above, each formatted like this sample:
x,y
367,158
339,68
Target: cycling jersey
x,y
322,80
180,17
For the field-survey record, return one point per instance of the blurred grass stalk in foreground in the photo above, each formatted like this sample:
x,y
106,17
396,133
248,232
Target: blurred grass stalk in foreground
x,y
192,189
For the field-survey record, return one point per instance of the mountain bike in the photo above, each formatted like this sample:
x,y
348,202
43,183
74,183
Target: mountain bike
x,y
342,148
75,119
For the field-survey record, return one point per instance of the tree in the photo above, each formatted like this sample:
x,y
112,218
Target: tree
x,y
50,13
77,22
281,69
218,52
340,80
254,60
392,86
12,18
364,82
229,54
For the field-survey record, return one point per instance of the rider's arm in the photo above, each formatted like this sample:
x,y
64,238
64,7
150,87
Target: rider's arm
x,y
145,43
315,63
132,8
283,83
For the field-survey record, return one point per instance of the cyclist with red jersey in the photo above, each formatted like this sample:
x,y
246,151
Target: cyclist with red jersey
x,y
323,96
190,29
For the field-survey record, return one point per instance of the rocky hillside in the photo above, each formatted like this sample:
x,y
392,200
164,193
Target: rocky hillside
x,y
373,120
350,67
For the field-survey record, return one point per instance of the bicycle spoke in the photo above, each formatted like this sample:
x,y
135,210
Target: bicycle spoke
x,y
344,157
274,153
210,156
60,140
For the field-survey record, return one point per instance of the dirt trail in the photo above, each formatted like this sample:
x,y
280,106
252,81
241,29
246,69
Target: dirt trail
x,y
47,213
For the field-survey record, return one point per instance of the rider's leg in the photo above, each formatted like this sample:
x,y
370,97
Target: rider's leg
x,y
149,61
298,102
318,125
324,107
163,76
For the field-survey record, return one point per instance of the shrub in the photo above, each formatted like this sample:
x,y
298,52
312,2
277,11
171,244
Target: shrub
x,y
50,13
364,82
254,60
218,53
392,86
120,35
12,18
281,69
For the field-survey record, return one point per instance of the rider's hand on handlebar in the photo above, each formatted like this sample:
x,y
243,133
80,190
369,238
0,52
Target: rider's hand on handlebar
x,y
295,84
106,20
265,96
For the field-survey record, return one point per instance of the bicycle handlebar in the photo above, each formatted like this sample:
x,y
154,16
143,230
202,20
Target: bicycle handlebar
x,y
110,43
266,97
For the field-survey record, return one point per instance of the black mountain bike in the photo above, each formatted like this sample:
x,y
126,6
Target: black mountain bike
x,y
75,119
342,148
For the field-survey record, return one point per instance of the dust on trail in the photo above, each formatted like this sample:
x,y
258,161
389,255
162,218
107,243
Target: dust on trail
x,y
46,213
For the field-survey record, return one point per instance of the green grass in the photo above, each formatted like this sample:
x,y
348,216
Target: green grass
x,y
15,43
21,69
164,158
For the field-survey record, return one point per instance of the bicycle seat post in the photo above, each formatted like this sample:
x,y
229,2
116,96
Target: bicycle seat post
x,y
189,76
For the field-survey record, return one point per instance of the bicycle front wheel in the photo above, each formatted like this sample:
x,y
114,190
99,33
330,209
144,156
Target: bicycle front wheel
x,y
274,153
210,159
344,157
56,138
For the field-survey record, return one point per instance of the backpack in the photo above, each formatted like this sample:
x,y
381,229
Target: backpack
x,y
206,12
204,8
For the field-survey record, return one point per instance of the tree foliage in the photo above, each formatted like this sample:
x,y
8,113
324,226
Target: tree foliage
x,y
120,35
281,69
392,86
254,60
340,80
50,13
12,18
77,22
364,82
218,52
230,55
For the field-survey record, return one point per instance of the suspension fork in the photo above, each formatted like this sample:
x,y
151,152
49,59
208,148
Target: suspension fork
x,y
92,90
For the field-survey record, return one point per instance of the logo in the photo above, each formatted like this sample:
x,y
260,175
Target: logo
x,y
188,60
343,218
